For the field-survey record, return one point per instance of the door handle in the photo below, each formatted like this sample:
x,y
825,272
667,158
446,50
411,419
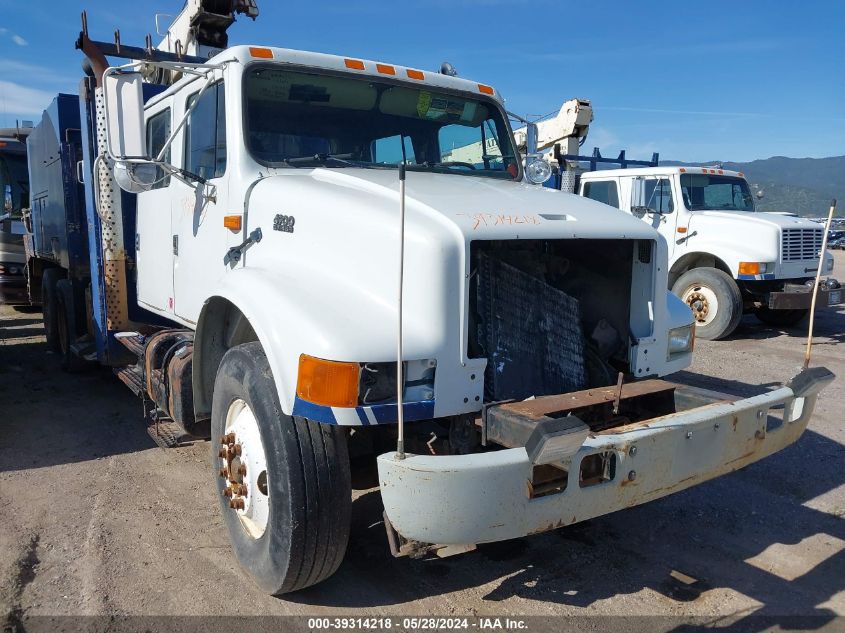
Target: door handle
x,y
175,244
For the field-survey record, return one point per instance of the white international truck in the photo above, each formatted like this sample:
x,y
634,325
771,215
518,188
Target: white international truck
x,y
287,210
725,257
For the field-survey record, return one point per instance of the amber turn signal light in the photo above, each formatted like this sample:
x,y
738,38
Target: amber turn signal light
x,y
751,268
232,222
327,382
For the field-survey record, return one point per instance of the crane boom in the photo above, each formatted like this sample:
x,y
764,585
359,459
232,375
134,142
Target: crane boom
x,y
200,28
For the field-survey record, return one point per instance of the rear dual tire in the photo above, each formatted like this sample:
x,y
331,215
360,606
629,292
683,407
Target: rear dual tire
x,y
301,539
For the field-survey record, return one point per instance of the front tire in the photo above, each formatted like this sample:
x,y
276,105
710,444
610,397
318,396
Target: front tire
x,y
290,528
780,318
714,299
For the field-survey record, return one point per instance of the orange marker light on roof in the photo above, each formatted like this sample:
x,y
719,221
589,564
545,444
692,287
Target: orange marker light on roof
x,y
354,64
415,74
260,53
488,90
328,382
385,69
232,222
683,171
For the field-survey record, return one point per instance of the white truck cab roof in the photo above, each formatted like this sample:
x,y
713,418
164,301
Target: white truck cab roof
x,y
246,54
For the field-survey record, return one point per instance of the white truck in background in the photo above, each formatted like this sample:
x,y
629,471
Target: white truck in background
x,y
725,258
246,281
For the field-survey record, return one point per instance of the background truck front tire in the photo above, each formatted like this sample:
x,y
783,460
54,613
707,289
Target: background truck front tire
x,y
715,301
307,481
780,318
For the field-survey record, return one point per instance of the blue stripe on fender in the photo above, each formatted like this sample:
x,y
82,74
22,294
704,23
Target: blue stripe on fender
x,y
386,413
362,415
383,413
315,412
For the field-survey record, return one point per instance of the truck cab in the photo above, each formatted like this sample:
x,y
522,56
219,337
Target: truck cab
x,y
725,257
14,186
343,273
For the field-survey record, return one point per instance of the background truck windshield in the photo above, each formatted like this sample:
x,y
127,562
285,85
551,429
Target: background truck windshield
x,y
299,118
14,184
727,193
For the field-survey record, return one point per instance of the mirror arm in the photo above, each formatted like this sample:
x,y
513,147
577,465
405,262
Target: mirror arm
x,y
184,120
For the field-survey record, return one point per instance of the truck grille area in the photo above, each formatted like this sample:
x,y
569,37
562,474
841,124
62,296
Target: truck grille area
x,y
800,244
550,316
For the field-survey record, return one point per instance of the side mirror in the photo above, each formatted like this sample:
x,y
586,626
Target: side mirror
x,y
125,134
639,197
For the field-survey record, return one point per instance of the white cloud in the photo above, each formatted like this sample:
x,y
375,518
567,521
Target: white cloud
x,y
17,39
20,100
33,72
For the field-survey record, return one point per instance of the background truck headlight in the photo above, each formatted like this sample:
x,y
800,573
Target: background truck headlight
x,y
681,340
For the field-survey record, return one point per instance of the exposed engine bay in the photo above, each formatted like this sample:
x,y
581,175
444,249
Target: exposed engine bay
x,y
549,316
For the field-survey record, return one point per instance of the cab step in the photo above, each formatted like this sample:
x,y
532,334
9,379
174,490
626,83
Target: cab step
x,y
168,434
133,377
133,341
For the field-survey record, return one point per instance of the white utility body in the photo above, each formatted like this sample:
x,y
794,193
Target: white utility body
x,y
536,324
725,258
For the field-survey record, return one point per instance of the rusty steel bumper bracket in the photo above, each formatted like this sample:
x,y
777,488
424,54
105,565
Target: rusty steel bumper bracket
x,y
460,500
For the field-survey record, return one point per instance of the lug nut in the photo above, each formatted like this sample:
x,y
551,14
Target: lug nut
x,y
632,451
228,492
223,453
236,449
242,470
236,504
224,473
229,438
632,475
241,490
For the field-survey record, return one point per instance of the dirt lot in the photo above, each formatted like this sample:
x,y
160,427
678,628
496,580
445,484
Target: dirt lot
x,y
98,520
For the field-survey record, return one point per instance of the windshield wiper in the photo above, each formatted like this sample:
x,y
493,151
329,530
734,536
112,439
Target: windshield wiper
x,y
323,159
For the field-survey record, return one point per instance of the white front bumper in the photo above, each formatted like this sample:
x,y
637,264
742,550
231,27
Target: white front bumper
x,y
485,497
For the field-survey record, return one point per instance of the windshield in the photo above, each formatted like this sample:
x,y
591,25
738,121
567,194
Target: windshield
x,y
14,184
727,193
297,118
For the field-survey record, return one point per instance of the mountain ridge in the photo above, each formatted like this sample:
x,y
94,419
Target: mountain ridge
x,y
797,185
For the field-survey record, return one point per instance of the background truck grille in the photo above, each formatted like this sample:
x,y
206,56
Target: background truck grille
x,y
800,244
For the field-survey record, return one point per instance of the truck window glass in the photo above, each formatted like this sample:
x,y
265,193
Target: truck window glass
x,y
158,131
729,193
14,184
205,134
603,192
359,121
658,193
471,147
393,150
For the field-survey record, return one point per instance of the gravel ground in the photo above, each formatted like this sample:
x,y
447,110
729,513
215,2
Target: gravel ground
x,y
98,520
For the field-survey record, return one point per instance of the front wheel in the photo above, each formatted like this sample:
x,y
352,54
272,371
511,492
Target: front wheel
x,y
780,318
284,482
714,299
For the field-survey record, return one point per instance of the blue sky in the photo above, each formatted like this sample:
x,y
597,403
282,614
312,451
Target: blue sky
x,y
693,80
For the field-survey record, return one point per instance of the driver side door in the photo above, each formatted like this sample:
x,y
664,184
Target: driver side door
x,y
153,236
